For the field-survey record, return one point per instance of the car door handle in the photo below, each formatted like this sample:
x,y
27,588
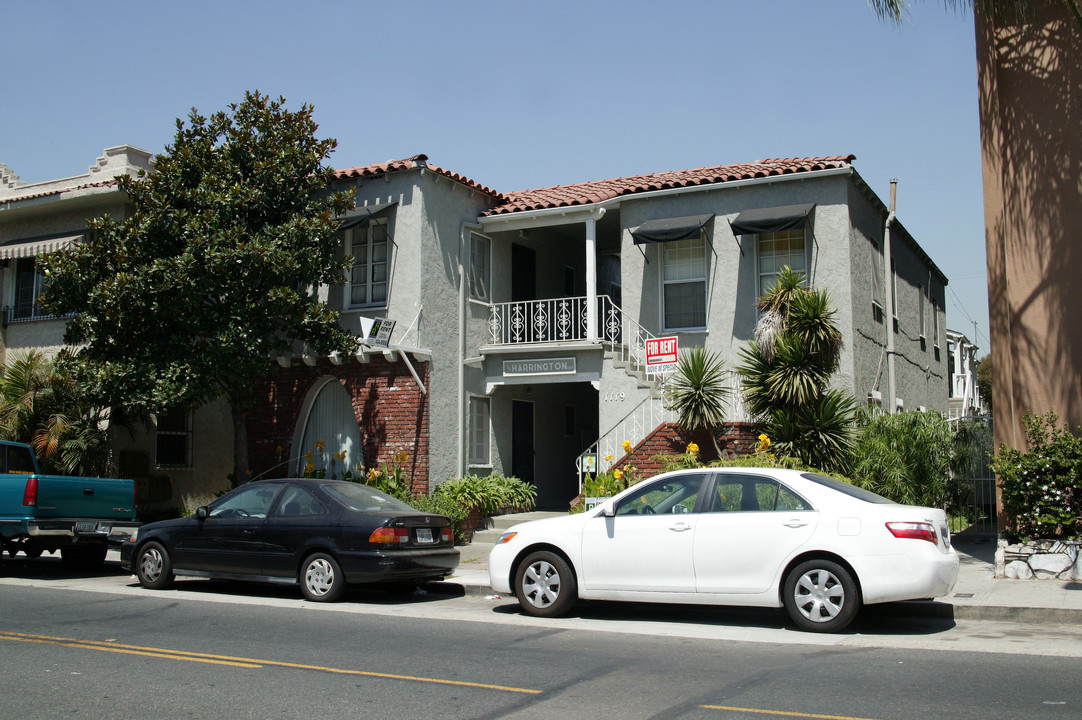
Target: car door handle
x,y
795,523
249,531
679,527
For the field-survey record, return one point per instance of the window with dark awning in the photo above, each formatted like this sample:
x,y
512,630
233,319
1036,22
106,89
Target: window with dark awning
x,y
670,229
764,220
360,216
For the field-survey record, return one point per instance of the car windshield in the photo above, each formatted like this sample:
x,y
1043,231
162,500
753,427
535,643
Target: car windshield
x,y
360,497
846,489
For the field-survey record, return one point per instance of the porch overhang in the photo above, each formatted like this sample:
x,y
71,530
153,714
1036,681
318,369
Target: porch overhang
x,y
38,246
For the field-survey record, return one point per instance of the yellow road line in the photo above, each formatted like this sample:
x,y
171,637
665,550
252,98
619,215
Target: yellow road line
x,y
756,711
244,662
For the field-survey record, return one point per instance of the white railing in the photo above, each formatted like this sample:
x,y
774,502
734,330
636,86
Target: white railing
x,y
531,322
643,419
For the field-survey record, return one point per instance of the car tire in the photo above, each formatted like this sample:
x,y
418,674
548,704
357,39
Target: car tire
x,y
153,566
821,596
321,578
83,558
545,585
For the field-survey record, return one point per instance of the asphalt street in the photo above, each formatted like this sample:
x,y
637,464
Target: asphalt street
x,y
103,647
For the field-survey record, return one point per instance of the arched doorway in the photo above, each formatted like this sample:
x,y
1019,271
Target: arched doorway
x,y
327,434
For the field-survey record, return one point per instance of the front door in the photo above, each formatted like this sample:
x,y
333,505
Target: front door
x,y
522,449
523,273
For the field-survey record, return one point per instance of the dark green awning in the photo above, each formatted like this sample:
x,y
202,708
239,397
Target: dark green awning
x,y
764,220
361,215
670,229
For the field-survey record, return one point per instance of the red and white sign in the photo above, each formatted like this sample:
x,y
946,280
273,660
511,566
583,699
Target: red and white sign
x,y
660,354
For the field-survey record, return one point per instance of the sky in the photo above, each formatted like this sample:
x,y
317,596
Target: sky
x,y
519,95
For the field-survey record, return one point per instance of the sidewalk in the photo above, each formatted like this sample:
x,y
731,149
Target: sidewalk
x,y
977,595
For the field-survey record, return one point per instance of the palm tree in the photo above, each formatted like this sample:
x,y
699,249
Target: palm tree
x,y
896,10
41,406
697,392
787,369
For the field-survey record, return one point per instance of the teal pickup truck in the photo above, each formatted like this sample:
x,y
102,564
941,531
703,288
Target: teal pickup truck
x,y
76,515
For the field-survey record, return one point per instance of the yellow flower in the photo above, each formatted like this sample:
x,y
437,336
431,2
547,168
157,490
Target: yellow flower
x,y
401,457
308,456
608,458
692,448
627,446
309,467
372,472
340,455
617,474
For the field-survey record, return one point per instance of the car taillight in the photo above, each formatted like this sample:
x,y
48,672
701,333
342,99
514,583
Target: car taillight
x,y
30,492
389,535
446,535
913,531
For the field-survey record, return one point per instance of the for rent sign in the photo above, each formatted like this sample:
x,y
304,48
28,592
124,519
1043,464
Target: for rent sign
x,y
660,355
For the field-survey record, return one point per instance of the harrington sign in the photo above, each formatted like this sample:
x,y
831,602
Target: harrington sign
x,y
539,366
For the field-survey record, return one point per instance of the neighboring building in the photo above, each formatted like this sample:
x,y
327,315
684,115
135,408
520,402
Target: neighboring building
x,y
179,459
1031,110
965,400
522,319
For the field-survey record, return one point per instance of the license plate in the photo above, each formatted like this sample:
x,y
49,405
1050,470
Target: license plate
x,y
424,535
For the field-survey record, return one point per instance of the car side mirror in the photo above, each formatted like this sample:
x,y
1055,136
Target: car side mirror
x,y
201,512
609,510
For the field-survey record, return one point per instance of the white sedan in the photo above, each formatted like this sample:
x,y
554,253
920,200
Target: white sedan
x,y
819,547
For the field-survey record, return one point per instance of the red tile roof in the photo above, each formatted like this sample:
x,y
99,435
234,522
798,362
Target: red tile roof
x,y
592,192
417,161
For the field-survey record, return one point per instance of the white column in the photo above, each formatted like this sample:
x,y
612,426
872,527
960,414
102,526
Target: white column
x,y
591,278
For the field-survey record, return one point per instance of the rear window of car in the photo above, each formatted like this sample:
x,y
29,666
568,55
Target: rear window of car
x,y
360,497
846,489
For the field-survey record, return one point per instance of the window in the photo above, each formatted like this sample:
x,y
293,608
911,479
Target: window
x,y
877,282
298,502
251,502
368,245
173,439
480,267
672,495
479,431
745,493
778,250
29,284
683,267
920,309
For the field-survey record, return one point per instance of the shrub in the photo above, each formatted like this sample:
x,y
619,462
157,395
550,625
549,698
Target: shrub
x,y
906,457
440,505
489,494
1042,488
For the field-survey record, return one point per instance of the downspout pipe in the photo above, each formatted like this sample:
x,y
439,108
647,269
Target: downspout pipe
x,y
888,285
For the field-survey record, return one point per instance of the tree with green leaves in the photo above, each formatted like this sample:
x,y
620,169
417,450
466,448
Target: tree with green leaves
x,y
984,380
213,272
697,392
43,407
787,370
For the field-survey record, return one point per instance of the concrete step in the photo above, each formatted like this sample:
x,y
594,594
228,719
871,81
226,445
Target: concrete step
x,y
484,540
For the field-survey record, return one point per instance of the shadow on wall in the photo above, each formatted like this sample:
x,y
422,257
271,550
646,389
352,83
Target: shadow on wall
x,y
1030,117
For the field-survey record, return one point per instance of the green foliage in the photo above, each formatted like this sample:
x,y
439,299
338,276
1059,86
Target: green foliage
x,y
489,494
984,380
441,505
786,370
42,406
1042,487
618,477
907,457
192,295
697,390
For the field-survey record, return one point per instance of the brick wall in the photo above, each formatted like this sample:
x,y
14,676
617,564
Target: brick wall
x,y
669,439
390,408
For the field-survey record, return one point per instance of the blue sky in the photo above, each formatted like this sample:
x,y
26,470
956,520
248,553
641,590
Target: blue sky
x,y
520,95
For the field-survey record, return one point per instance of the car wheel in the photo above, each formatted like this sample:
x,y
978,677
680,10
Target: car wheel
x,y
321,579
545,585
83,558
821,596
153,566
